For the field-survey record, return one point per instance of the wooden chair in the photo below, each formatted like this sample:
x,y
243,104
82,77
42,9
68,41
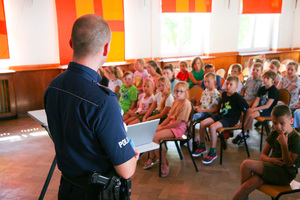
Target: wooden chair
x,y
221,132
284,96
184,139
275,191
196,92
220,72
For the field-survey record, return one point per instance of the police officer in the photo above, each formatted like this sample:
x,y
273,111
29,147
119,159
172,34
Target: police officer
x,y
84,118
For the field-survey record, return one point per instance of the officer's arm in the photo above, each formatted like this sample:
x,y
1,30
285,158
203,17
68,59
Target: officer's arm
x,y
127,169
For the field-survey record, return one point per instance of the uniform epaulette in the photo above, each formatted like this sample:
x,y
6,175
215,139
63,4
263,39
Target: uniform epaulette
x,y
106,90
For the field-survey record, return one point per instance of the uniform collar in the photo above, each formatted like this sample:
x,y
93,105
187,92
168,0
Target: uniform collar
x,y
85,71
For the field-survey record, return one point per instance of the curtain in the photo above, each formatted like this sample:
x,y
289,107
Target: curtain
x,y
186,6
261,6
4,52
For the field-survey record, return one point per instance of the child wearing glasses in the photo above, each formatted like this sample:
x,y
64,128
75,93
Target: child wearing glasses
x,y
174,126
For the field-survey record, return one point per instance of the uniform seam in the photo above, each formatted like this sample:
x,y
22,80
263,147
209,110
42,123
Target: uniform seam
x,y
74,95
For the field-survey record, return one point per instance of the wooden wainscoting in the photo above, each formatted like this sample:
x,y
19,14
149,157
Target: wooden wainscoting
x,y
8,106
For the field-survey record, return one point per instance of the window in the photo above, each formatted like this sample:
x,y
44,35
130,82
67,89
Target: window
x,y
182,34
255,32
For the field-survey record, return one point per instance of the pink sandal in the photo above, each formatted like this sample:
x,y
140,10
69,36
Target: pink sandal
x,y
164,169
150,163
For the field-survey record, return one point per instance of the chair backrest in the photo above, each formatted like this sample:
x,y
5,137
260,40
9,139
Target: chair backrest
x,y
196,92
220,72
284,96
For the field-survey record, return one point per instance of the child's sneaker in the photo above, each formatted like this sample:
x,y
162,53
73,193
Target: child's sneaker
x,y
209,158
199,152
237,139
242,140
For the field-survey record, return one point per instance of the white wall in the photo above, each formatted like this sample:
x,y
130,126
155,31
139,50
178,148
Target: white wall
x,y
32,32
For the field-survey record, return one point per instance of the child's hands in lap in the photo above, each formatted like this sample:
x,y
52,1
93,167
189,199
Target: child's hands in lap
x,y
276,161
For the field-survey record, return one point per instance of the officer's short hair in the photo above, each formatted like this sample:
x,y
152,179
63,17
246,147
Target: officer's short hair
x,y
89,34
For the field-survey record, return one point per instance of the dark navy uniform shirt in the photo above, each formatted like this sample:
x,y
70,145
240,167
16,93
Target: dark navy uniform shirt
x,y
85,122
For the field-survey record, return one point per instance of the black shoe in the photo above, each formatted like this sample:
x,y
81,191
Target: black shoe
x,y
247,137
237,139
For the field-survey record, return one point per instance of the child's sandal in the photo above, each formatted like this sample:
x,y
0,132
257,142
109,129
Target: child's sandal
x,y
150,163
164,169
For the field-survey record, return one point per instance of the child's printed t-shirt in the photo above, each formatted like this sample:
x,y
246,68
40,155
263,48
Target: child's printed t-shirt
x,y
239,89
286,82
127,95
210,98
144,103
182,76
112,84
266,94
278,78
139,77
251,88
158,98
180,109
232,106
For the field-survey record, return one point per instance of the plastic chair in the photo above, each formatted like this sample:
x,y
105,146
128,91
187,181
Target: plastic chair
x,y
220,72
275,191
184,139
284,96
196,92
221,132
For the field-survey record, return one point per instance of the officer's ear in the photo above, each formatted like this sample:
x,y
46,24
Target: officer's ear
x,y
71,43
106,49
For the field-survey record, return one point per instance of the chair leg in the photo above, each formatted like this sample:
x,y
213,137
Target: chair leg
x,y
246,145
166,145
221,149
261,135
179,150
160,149
188,145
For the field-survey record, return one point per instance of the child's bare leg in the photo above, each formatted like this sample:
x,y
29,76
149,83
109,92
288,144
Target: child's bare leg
x,y
213,133
250,178
130,120
203,125
165,133
249,121
125,116
136,121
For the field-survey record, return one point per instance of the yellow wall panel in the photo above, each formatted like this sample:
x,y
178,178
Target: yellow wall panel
x,y
113,9
182,5
200,6
117,47
84,7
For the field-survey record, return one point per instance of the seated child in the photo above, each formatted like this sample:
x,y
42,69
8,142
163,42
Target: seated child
x,y
104,80
210,68
253,83
255,59
236,71
232,105
266,99
296,109
291,82
140,74
281,167
183,75
145,100
114,75
154,71
209,103
174,126
162,101
197,73
274,66
128,93
169,73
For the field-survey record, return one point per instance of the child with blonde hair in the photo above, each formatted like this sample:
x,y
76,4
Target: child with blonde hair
x,y
274,66
114,75
173,126
155,72
291,82
128,93
145,100
104,81
235,70
140,74
183,75
197,74
162,101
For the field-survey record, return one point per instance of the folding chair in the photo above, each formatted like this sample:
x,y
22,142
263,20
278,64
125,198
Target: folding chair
x,y
221,132
185,139
284,96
